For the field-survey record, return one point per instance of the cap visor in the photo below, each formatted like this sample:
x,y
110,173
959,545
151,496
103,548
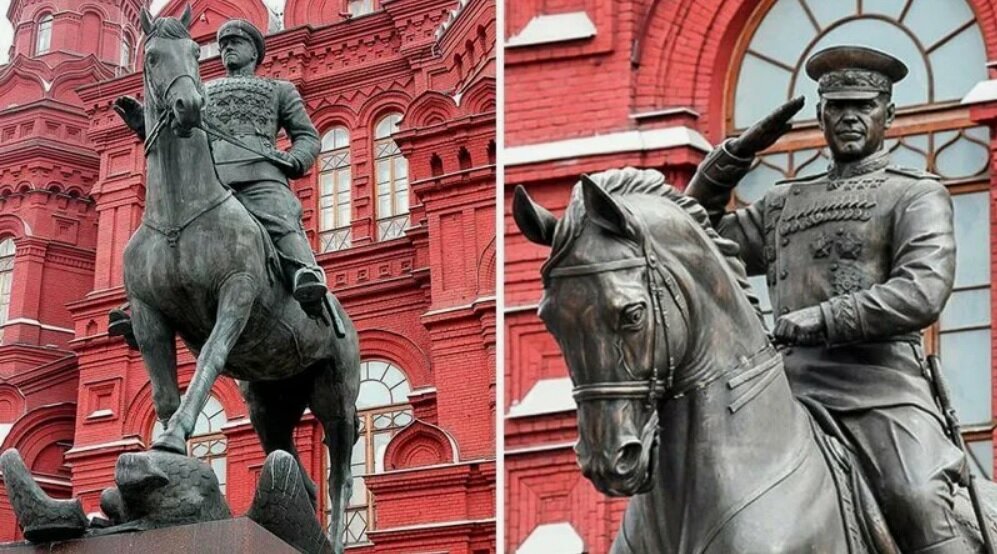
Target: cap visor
x,y
851,95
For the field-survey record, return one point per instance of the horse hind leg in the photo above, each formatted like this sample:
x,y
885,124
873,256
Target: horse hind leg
x,y
333,401
275,408
157,343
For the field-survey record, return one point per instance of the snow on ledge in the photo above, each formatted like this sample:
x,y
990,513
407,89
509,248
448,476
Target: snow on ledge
x,y
548,396
626,141
561,27
553,537
984,91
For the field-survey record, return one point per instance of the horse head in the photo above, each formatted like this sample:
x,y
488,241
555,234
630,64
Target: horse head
x,y
173,86
632,267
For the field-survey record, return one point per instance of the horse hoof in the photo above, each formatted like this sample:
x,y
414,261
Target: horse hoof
x,y
170,443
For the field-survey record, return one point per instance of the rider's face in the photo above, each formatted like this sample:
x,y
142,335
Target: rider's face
x,y
855,128
237,52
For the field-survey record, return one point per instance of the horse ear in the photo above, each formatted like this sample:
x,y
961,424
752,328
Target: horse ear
x,y
604,210
146,19
187,16
536,223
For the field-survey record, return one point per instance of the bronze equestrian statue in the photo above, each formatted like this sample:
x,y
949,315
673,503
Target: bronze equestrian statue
x,y
220,224
681,394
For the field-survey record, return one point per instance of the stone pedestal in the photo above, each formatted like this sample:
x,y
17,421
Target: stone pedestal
x,y
213,537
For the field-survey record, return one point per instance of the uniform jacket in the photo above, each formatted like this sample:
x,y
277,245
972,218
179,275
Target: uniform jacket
x,y
873,246
253,109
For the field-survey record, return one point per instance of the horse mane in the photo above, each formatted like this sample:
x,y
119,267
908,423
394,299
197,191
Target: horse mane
x,y
630,180
168,28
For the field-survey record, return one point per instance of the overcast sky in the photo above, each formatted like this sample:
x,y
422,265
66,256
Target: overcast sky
x,y
7,32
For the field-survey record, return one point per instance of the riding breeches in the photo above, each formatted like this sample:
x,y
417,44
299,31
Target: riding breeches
x,y
912,467
274,205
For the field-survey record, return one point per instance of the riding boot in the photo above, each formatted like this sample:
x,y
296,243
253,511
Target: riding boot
x,y
306,278
119,324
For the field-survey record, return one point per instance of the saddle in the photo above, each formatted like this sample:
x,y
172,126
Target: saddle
x,y
868,532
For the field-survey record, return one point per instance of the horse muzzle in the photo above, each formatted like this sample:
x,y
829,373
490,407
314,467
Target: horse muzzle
x,y
622,467
187,114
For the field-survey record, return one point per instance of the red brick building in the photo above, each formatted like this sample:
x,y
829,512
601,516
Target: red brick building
x,y
400,208
597,84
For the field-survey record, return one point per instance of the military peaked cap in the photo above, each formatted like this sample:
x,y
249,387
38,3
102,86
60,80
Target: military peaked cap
x,y
854,72
246,30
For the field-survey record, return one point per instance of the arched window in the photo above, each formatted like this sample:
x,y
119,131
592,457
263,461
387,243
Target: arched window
x,y
126,53
334,183
391,171
383,408
43,38
945,52
207,441
7,252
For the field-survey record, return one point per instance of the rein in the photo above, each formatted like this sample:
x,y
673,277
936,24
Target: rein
x,y
657,386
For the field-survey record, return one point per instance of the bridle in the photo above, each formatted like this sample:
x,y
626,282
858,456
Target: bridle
x,y
657,279
167,112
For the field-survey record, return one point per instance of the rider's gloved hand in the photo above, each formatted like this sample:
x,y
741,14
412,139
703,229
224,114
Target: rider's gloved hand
x,y
289,165
803,327
132,113
765,132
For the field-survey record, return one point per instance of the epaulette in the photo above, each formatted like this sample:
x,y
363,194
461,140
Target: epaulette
x,y
808,178
911,172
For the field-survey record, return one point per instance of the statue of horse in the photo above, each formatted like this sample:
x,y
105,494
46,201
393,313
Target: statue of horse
x,y
201,267
683,403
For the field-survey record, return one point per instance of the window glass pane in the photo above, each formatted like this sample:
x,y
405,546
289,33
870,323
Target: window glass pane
x,y
761,87
966,308
972,236
959,64
373,393
981,455
929,23
762,291
966,362
826,13
380,446
44,38
959,155
889,8
772,39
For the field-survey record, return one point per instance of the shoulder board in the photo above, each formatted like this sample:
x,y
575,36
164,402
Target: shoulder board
x,y
807,179
910,172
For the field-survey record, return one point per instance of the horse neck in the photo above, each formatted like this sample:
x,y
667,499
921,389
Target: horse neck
x,y
711,456
180,176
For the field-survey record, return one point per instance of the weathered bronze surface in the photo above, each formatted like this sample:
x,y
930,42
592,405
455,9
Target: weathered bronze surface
x,y
158,489
221,261
681,394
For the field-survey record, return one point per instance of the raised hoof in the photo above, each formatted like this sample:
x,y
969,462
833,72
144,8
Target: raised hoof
x,y
170,443
42,518
120,325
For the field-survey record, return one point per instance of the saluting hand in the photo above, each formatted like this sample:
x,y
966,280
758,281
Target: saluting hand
x,y
764,133
803,327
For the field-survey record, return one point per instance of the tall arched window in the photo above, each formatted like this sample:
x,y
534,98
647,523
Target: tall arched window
x,y
43,38
207,441
334,183
125,60
7,252
945,52
391,172
383,407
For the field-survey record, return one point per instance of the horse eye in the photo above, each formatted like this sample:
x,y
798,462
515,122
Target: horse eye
x,y
633,316
150,59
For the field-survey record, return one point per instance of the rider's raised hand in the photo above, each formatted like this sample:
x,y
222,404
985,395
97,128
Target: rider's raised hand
x,y
132,113
764,133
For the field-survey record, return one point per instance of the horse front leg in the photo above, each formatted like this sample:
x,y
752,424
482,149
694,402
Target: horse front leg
x,y
157,343
235,302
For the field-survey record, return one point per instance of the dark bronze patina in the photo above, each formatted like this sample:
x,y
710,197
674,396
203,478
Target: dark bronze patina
x,y
681,395
204,266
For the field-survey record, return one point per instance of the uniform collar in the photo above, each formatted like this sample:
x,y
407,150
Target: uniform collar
x,y
874,162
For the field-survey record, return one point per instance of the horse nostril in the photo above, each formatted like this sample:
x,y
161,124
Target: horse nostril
x,y
627,458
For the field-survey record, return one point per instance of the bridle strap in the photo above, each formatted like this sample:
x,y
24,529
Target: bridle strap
x,y
654,388
167,113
